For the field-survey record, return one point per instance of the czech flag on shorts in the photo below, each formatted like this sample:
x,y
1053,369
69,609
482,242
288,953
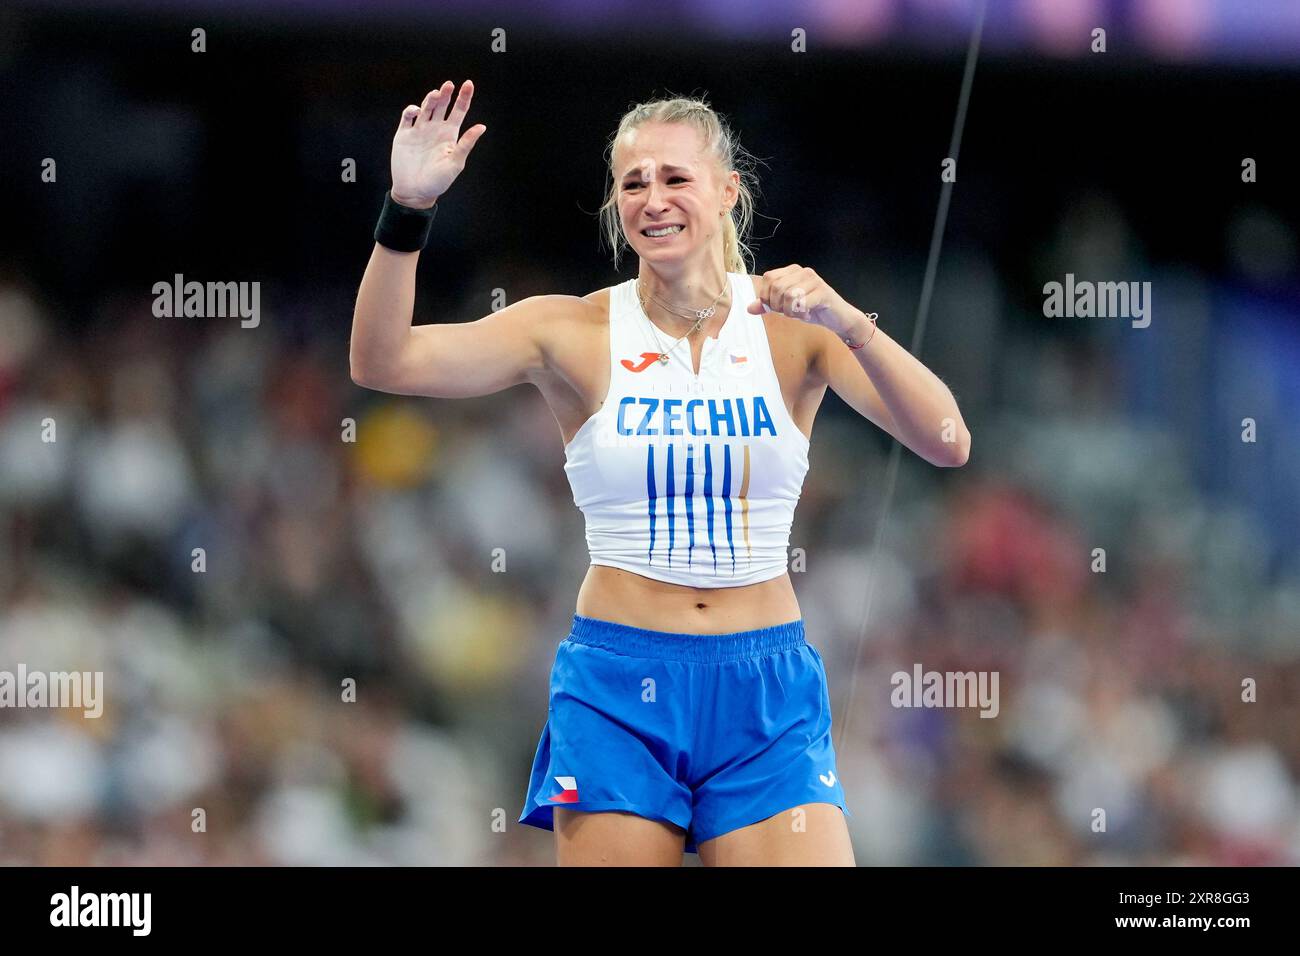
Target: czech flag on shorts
x,y
569,790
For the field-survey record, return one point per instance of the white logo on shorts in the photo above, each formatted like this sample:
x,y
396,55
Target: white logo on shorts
x,y
829,780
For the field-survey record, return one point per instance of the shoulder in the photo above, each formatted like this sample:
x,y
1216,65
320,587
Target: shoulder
x,y
571,324
556,313
599,298
560,306
592,309
593,305
587,312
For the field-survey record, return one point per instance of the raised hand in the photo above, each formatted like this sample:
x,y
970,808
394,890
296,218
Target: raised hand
x,y
428,150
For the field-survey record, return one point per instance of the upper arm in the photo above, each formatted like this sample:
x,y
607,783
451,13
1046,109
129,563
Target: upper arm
x,y
834,364
469,359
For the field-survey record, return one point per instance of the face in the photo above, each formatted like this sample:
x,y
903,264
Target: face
x,y
665,180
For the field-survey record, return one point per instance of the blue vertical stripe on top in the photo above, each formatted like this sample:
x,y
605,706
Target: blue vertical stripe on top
x,y
726,500
671,483
708,500
690,503
650,494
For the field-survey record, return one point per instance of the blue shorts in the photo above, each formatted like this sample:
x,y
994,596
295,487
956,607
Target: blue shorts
x,y
711,732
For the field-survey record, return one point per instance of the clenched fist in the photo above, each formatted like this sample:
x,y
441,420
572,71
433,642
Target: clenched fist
x,y
799,292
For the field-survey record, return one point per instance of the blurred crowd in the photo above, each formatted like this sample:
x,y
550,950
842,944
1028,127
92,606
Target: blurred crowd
x,y
326,616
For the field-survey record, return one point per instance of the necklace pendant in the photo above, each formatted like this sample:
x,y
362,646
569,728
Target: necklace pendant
x,y
704,313
663,358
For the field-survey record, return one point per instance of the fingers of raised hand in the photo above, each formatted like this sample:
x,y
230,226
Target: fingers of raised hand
x,y
462,103
434,104
408,116
769,289
777,281
470,138
792,290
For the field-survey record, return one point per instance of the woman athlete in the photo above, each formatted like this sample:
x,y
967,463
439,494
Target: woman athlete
x,y
687,711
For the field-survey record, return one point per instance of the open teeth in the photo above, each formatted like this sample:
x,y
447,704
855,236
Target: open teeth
x,y
665,231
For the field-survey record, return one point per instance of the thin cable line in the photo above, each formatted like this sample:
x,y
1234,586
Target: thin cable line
x,y
922,313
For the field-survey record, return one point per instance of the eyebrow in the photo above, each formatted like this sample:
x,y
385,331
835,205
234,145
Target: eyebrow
x,y
666,167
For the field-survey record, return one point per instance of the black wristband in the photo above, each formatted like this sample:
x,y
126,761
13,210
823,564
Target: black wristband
x,y
402,228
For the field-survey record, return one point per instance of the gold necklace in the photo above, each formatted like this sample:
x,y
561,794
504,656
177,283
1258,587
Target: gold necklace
x,y
663,356
689,313
701,316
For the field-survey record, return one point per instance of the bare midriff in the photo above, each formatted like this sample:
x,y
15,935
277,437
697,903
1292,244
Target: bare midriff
x,y
612,594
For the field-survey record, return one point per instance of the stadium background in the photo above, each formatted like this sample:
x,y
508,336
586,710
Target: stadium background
x,y
372,560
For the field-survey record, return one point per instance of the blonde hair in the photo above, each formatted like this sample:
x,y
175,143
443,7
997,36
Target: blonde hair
x,y
720,144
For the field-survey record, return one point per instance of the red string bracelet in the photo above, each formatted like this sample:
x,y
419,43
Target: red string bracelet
x,y
871,317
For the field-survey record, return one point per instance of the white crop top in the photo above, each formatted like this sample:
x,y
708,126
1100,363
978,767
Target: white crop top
x,y
685,479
